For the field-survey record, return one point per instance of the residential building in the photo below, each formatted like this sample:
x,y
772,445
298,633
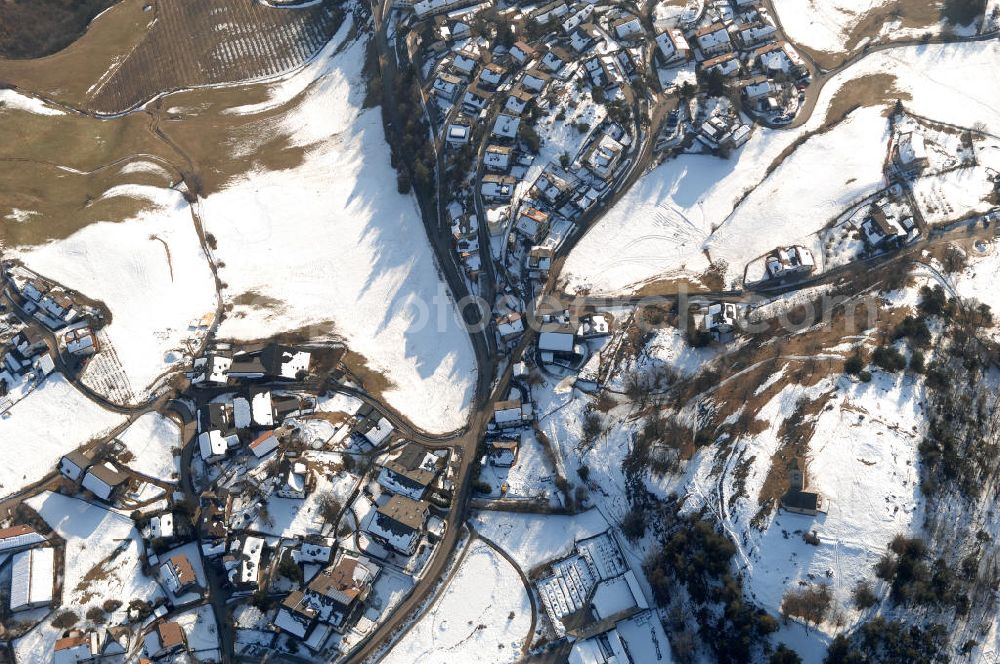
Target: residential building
x,y
497,158
499,188
166,639
399,523
673,46
713,39
212,446
506,126
532,223
105,481
178,575
75,464
726,64
17,538
799,498
410,470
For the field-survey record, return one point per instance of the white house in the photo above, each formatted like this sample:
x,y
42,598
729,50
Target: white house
x,y
263,409
212,369
497,158
18,537
76,648
506,126
162,526
379,433
75,464
673,46
104,480
294,486
627,27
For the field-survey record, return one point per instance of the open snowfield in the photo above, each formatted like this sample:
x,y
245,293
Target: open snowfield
x,y
330,240
52,420
483,616
661,227
533,539
150,439
103,553
978,280
10,99
824,25
150,271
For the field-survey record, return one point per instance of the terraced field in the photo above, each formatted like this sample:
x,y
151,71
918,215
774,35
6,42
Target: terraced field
x,y
207,42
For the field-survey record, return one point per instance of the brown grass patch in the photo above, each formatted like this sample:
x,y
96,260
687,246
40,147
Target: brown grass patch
x,y
866,91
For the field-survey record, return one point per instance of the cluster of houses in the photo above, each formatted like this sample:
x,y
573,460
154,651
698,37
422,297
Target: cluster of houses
x,y
490,91
47,322
400,494
26,357
224,366
738,42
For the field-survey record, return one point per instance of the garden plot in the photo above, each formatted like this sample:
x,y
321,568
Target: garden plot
x,y
330,249
202,633
51,421
483,616
152,440
293,517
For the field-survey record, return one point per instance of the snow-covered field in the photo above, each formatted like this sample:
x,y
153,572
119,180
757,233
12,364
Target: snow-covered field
x,y
103,552
12,100
978,280
150,271
824,25
661,227
52,420
150,439
832,25
331,241
483,616
533,539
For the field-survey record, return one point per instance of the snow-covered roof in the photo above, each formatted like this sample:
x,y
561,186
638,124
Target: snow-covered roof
x,y
263,411
294,362
241,413
212,445
264,444
379,433
559,342
32,578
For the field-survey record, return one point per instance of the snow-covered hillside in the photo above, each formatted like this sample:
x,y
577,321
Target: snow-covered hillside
x,y
331,241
